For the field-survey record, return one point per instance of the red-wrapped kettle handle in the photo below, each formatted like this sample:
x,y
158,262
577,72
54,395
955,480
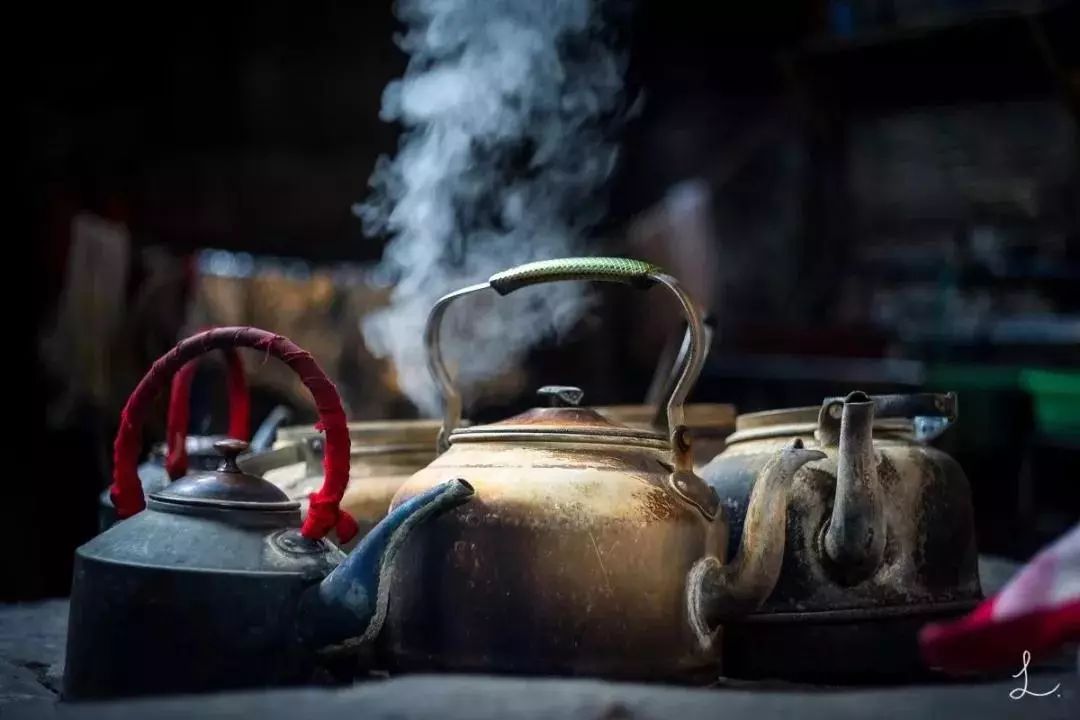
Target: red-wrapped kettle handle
x,y
176,428
324,513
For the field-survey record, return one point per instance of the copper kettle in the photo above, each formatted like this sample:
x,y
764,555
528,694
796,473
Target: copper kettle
x,y
216,584
590,547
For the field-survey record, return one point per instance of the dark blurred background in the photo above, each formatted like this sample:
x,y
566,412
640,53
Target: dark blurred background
x,y
882,195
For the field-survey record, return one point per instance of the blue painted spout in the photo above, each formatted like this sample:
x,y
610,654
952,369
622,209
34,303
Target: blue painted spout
x,y
350,603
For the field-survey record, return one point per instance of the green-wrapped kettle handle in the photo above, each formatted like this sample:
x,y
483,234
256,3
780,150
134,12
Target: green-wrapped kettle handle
x,y
597,269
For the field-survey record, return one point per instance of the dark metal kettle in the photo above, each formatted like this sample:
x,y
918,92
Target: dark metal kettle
x,y
880,537
217,584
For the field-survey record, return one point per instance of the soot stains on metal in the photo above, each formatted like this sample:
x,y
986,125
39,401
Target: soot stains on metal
x,y
927,568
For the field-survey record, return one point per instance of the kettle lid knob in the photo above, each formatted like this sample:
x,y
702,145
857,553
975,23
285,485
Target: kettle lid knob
x,y
227,487
230,448
561,395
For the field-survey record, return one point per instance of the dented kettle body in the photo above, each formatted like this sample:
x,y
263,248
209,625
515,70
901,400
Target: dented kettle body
x,y
929,554
590,547
852,595
572,559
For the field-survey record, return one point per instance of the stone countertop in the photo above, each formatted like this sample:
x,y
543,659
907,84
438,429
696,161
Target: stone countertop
x,y
32,638
32,644
450,697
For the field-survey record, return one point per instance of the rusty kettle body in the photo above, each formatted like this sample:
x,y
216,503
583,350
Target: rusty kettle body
x,y
590,547
880,536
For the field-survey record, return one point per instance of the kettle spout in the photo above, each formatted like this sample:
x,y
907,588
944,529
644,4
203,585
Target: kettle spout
x,y
350,603
716,590
855,537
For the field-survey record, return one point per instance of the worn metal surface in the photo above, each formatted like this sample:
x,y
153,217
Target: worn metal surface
x,y
194,593
851,647
927,562
854,539
707,425
803,422
32,640
227,486
208,593
572,558
916,408
165,602
718,592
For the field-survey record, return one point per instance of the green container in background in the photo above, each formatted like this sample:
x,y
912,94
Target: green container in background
x,y
1055,394
1056,397
989,396
1016,438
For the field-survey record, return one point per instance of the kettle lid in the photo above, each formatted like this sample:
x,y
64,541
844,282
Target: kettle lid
x,y
562,419
226,487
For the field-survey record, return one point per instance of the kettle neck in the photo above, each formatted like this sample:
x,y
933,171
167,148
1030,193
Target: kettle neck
x,y
854,540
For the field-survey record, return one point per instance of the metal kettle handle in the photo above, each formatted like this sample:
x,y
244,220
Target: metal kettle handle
x,y
636,273
265,435
916,406
324,513
666,374
179,413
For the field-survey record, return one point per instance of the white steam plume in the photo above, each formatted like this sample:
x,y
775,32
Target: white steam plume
x,y
503,158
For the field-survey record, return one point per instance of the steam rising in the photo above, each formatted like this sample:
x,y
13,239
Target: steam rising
x,y
504,106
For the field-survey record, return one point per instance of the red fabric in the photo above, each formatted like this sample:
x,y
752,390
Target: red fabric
x,y
176,426
978,643
1036,612
239,399
176,429
324,513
